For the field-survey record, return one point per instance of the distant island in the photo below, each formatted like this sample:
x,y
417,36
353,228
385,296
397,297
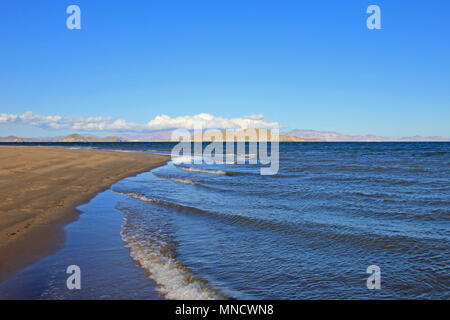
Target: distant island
x,y
245,135
297,135
79,138
333,136
241,135
70,138
291,136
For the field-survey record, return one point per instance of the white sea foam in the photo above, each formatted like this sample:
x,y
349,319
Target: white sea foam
x,y
217,172
157,257
179,180
174,281
184,181
226,157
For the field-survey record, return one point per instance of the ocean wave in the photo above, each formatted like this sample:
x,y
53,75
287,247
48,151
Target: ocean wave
x,y
370,195
229,218
430,154
144,198
174,280
435,215
216,172
179,180
307,229
155,252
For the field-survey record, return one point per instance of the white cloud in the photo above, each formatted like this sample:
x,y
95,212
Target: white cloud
x,y
207,121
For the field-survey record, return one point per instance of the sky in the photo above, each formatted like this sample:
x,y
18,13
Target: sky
x,y
299,64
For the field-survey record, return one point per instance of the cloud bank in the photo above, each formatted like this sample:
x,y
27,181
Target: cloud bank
x,y
162,122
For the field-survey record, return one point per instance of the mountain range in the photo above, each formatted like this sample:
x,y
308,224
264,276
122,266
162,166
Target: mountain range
x,y
70,138
291,136
336,136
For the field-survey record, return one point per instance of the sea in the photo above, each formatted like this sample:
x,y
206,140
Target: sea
x,y
315,230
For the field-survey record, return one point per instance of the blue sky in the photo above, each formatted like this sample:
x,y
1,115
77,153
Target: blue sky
x,y
304,64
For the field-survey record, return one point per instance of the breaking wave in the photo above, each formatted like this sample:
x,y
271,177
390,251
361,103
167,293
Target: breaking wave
x,y
179,180
155,252
174,280
216,172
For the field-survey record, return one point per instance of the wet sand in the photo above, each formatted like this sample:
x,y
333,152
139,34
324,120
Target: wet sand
x,y
40,189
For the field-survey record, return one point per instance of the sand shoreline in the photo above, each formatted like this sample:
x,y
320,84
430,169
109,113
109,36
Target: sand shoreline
x,y
41,188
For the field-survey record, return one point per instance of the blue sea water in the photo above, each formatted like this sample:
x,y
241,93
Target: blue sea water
x,y
309,232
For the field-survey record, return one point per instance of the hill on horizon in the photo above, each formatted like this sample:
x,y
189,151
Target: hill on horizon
x,y
297,135
75,137
251,135
339,137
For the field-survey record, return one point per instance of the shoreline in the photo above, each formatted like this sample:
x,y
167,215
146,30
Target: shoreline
x,y
94,243
42,188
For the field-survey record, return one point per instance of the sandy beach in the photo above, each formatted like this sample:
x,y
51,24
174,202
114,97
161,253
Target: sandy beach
x,y
41,188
